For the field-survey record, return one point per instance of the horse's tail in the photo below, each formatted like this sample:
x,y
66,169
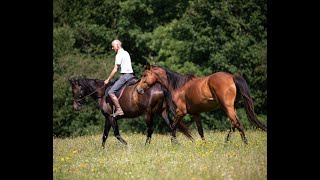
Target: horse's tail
x,y
181,127
243,88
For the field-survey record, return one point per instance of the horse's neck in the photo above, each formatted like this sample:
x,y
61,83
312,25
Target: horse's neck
x,y
133,94
170,85
167,85
94,91
132,89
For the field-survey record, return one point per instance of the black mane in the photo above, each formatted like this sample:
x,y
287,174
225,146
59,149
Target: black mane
x,y
90,85
175,79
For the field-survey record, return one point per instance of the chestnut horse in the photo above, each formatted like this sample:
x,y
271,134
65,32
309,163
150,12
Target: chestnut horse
x,y
193,95
133,104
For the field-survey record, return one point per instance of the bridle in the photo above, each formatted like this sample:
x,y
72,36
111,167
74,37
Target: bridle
x,y
77,100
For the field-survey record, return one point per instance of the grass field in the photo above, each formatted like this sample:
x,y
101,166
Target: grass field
x,y
83,157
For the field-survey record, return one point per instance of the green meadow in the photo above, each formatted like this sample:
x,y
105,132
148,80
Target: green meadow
x,y
84,158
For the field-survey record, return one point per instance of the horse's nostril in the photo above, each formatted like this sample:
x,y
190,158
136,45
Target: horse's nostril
x,y
140,91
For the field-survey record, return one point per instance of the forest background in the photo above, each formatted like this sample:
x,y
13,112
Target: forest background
x,y
198,37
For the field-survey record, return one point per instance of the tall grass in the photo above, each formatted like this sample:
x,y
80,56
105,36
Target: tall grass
x,y
83,157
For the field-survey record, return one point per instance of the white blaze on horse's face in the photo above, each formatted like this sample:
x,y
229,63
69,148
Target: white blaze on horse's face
x,y
76,89
77,93
76,106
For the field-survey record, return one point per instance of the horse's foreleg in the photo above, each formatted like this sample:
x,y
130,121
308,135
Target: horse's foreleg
x,y
115,127
178,117
103,105
168,121
180,113
106,130
166,118
196,118
150,128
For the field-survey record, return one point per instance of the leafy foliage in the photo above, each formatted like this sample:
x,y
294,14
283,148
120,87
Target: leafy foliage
x,y
63,41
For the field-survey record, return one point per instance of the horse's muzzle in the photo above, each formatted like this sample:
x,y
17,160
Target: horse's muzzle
x,y
140,90
76,106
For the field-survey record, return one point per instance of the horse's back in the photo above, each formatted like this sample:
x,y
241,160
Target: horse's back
x,y
205,91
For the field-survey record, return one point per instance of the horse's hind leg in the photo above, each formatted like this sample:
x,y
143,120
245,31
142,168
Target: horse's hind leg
x,y
232,129
196,118
106,130
235,123
150,128
115,127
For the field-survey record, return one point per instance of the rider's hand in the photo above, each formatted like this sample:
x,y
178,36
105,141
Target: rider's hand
x,y
106,81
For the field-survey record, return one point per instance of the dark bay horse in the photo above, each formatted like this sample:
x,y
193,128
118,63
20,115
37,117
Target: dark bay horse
x,y
193,95
133,104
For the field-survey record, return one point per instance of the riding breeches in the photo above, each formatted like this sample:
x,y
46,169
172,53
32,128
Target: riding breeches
x,y
120,82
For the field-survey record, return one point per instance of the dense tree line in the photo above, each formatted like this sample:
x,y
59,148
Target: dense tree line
x,y
197,37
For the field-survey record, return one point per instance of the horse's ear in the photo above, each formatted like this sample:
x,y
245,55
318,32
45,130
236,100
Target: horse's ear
x,y
147,65
73,82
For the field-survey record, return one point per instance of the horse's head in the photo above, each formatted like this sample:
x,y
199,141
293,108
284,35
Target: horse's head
x,y
150,76
78,95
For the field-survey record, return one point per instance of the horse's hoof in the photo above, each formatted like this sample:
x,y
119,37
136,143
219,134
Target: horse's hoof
x,y
124,142
245,142
148,141
174,141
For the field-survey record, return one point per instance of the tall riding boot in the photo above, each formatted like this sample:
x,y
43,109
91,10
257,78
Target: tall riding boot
x,y
117,105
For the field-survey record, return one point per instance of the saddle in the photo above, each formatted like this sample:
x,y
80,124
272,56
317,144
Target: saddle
x,y
133,80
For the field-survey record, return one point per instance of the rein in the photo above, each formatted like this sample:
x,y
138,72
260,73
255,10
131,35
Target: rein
x,y
90,93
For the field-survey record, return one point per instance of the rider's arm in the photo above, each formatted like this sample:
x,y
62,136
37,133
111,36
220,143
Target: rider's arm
x,y
113,72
